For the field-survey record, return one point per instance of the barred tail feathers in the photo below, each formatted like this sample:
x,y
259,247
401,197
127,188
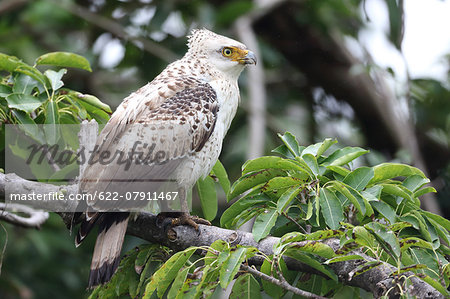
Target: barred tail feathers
x,y
106,256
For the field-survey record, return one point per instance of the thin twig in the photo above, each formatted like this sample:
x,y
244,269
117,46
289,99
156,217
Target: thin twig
x,y
36,219
118,30
295,222
4,247
282,284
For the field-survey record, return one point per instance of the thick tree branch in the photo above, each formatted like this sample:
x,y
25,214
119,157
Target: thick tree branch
x,y
150,228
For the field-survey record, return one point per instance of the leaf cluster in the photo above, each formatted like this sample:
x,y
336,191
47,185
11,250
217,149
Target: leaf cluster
x,y
31,97
306,196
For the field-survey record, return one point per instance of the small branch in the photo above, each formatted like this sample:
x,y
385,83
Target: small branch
x,y
282,284
295,222
36,219
11,5
116,29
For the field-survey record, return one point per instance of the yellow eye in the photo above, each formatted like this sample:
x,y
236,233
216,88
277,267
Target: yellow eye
x,y
227,52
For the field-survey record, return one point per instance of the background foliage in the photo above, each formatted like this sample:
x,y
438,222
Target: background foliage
x,y
308,93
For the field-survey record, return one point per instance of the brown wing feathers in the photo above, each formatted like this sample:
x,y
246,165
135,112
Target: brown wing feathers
x,y
190,114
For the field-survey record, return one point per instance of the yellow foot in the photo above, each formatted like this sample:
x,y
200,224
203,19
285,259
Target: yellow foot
x,y
186,219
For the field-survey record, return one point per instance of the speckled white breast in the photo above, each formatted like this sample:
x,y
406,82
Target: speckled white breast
x,y
200,163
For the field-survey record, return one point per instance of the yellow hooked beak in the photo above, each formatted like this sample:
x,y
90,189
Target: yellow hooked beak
x,y
249,58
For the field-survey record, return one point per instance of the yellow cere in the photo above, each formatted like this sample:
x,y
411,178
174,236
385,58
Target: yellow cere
x,y
235,54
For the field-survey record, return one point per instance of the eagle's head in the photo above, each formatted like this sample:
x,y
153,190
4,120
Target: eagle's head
x,y
223,53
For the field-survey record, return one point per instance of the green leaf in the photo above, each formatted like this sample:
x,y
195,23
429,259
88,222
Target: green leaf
x,y
31,72
331,208
363,268
343,156
51,113
283,151
423,227
396,23
274,291
396,190
24,84
9,63
359,178
240,205
423,191
286,198
339,170
232,265
386,238
409,268
64,59
202,283
208,197
387,171
91,100
363,237
246,286
23,102
221,174
306,259
5,90
440,230
216,256
344,258
99,115
145,252
386,210
309,211
246,216
278,183
352,195
405,243
439,219
253,179
178,283
311,161
414,182
397,226
324,234
51,127
313,284
291,143
313,247
268,162
324,146
28,125
293,237
55,78
264,223
162,278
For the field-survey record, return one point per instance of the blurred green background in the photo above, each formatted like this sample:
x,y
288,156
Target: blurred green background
x,y
342,69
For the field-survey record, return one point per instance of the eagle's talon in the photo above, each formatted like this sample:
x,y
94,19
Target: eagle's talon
x,y
186,219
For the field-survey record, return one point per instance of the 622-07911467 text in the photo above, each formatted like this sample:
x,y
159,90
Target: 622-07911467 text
x,y
138,195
